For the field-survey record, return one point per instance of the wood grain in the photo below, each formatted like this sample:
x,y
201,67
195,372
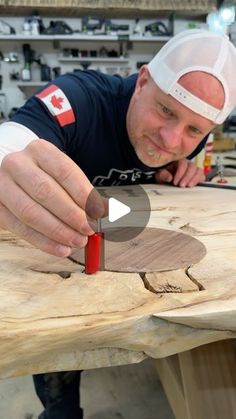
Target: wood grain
x,y
153,250
54,317
209,381
201,383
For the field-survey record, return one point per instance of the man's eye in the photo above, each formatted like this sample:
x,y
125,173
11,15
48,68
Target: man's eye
x,y
166,110
195,130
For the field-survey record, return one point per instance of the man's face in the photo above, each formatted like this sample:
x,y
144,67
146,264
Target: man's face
x,y
160,128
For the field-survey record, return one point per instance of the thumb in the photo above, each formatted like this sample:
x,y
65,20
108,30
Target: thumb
x,y
163,176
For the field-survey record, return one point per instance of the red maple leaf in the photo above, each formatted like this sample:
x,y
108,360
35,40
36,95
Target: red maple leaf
x,y
56,101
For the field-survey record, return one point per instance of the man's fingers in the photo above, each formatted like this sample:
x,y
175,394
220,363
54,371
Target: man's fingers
x,y
196,178
163,176
43,198
37,217
183,173
188,176
44,190
68,175
9,222
181,170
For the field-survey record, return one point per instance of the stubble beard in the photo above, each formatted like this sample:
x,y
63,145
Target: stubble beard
x,y
150,158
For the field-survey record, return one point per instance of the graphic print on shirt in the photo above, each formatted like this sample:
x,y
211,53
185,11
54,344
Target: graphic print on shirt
x,y
58,104
117,177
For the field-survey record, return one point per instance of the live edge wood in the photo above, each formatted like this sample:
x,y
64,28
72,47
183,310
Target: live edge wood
x,y
54,317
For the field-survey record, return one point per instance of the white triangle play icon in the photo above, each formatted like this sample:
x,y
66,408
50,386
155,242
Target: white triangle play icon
x,y
116,210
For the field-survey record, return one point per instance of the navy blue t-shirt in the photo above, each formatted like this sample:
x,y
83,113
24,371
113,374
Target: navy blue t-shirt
x,y
84,115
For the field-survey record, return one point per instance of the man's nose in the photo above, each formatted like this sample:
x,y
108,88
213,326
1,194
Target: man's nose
x,y
172,135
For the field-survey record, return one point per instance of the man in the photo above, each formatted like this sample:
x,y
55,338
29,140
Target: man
x,y
104,130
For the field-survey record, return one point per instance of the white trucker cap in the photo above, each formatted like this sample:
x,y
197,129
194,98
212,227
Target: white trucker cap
x,y
197,50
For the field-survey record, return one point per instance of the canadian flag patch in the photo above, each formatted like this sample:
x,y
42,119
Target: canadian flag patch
x,y
58,104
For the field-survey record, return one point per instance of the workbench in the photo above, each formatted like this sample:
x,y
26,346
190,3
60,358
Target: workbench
x,y
53,317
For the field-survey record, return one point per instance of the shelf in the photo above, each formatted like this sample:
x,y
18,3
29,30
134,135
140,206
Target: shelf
x,y
30,87
75,37
31,83
143,38
93,59
82,37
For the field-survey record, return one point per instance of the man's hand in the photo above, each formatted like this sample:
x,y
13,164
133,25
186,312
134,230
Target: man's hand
x,y
181,173
43,195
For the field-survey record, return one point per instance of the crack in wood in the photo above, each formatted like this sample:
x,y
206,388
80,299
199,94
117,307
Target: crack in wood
x,y
188,229
167,288
173,220
156,192
146,283
162,288
194,280
95,316
62,274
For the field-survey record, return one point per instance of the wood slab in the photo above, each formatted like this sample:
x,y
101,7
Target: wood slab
x,y
152,250
54,317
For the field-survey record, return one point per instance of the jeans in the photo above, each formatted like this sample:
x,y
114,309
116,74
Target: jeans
x,y
59,394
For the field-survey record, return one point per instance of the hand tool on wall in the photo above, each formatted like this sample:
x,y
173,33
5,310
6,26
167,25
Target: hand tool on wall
x,y
6,29
94,25
159,28
115,27
58,27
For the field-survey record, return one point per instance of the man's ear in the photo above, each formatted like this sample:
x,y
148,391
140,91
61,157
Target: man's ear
x,y
143,78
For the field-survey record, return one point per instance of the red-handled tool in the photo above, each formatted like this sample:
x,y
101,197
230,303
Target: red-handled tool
x,y
94,251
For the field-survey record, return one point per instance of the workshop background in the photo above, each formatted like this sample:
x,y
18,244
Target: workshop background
x,y
40,40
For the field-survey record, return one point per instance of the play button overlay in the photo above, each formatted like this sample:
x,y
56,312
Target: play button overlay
x,y
117,210
127,211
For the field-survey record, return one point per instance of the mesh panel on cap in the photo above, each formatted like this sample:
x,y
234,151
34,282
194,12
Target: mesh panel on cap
x,y
188,58
228,71
197,50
